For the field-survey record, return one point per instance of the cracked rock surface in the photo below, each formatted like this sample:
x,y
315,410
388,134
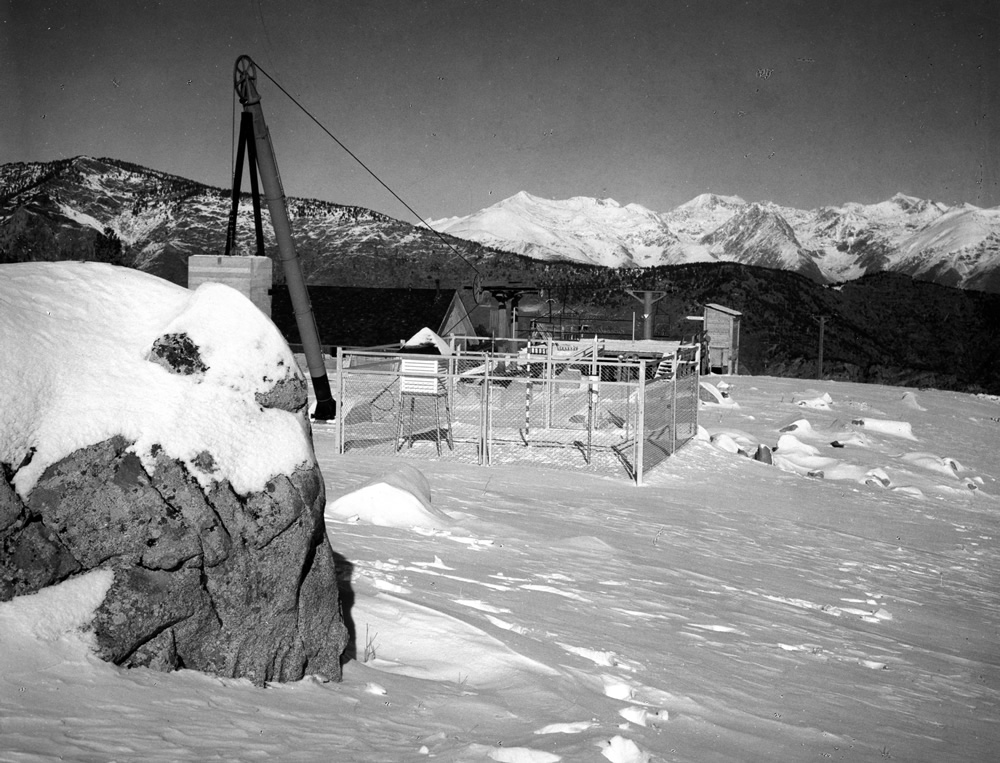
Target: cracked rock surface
x,y
239,586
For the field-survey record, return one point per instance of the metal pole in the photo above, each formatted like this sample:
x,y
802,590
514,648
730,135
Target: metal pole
x,y
527,410
647,299
673,412
819,363
550,375
640,422
340,396
647,312
246,88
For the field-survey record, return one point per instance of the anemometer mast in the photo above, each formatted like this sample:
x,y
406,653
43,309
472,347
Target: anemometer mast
x,y
245,81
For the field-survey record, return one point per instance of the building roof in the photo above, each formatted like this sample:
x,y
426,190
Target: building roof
x,y
726,310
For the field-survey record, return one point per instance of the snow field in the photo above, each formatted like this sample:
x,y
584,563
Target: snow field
x,y
729,610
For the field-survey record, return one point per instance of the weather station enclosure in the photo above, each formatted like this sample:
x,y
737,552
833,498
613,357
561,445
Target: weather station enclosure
x,y
251,276
722,324
612,416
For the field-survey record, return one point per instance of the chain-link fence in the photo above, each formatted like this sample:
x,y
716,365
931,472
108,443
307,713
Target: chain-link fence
x,y
610,416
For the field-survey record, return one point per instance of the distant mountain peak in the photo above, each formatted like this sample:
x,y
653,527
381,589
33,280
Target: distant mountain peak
x,y
713,201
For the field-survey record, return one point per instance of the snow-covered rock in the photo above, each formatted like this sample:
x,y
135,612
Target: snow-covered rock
x,y
161,434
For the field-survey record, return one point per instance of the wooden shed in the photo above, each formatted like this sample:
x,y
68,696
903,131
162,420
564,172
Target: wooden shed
x,y
722,324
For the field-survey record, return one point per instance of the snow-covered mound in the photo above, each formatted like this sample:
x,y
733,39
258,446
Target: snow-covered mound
x,y
75,370
426,340
400,497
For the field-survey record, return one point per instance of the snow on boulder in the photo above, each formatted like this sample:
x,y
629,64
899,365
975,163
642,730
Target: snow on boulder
x,y
788,444
801,427
162,434
428,342
822,403
944,465
712,395
793,455
724,441
397,498
887,427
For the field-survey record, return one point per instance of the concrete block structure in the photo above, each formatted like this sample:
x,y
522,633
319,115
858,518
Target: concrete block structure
x,y
251,276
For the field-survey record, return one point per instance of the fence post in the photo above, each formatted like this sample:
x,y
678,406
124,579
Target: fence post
x,y
339,429
485,430
640,423
550,376
452,383
673,412
697,396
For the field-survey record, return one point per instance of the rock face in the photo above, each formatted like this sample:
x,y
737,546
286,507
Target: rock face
x,y
205,578
240,586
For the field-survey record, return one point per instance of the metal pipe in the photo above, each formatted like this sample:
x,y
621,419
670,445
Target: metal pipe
x,y
246,89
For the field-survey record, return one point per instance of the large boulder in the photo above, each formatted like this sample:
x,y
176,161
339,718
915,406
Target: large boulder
x,y
196,485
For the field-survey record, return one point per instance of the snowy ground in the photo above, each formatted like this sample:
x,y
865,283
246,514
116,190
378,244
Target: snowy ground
x,y
729,610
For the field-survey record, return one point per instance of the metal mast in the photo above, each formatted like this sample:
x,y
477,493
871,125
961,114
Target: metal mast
x,y
245,80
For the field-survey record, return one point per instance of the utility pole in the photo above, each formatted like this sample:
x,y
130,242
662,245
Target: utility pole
x,y
819,362
647,298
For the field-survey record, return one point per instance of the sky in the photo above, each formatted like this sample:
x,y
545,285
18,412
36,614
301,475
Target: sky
x,y
458,104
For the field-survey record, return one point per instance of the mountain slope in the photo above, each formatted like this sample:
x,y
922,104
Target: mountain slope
x,y
759,235
65,209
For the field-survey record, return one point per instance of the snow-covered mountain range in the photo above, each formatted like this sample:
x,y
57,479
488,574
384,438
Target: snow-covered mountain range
x,y
69,209
955,246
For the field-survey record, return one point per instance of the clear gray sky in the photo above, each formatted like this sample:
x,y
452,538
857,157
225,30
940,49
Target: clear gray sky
x,y
457,104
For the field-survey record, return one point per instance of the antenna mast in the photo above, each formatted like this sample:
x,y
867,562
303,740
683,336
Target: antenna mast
x,y
245,81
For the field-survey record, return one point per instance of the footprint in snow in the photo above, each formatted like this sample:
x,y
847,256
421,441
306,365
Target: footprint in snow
x,y
551,589
715,628
477,544
384,585
607,659
522,755
567,728
512,627
437,564
481,606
